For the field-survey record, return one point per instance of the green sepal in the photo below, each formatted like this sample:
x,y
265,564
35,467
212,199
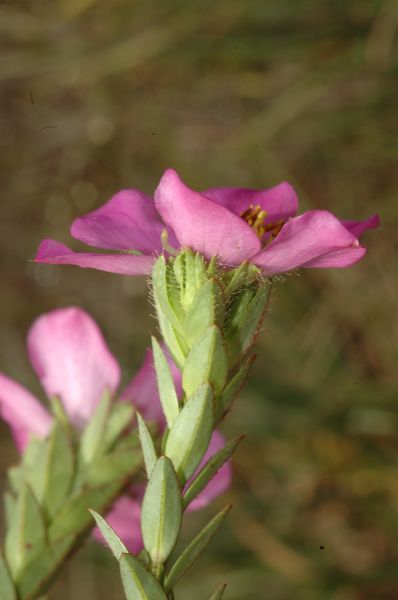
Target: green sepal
x,y
164,290
93,434
7,589
26,534
167,392
219,594
74,517
205,310
235,280
193,551
206,363
190,273
36,577
147,445
138,582
161,512
245,317
233,388
174,341
190,435
120,418
180,272
209,470
112,539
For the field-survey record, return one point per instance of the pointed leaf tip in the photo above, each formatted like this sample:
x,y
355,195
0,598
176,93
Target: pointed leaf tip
x,y
112,539
209,470
194,550
147,445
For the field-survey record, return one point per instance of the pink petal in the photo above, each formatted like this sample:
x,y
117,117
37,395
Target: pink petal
x,y
124,518
220,482
142,391
203,225
72,360
314,239
128,221
22,411
280,201
338,259
55,253
358,227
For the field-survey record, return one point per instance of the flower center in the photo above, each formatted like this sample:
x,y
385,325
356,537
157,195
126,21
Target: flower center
x,y
255,217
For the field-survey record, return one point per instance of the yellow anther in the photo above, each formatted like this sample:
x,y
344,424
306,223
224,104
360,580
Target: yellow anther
x,y
254,217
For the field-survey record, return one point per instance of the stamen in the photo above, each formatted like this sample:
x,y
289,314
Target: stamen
x,y
255,216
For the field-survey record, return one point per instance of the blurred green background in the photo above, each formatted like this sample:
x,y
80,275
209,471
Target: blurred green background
x,y
97,96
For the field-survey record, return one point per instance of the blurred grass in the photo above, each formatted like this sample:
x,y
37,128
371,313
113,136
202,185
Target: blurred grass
x,y
98,96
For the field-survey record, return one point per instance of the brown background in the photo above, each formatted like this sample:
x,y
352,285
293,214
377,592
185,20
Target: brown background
x,y
97,96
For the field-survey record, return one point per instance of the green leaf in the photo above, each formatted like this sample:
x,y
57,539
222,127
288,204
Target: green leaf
x,y
110,536
74,516
203,312
16,477
121,417
7,589
117,466
36,577
233,388
138,582
209,470
167,393
161,511
32,463
26,533
58,470
148,448
190,435
93,434
193,551
9,507
206,363
219,594
244,320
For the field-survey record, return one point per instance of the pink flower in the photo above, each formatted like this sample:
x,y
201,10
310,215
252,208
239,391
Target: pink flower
x,y
235,224
73,362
